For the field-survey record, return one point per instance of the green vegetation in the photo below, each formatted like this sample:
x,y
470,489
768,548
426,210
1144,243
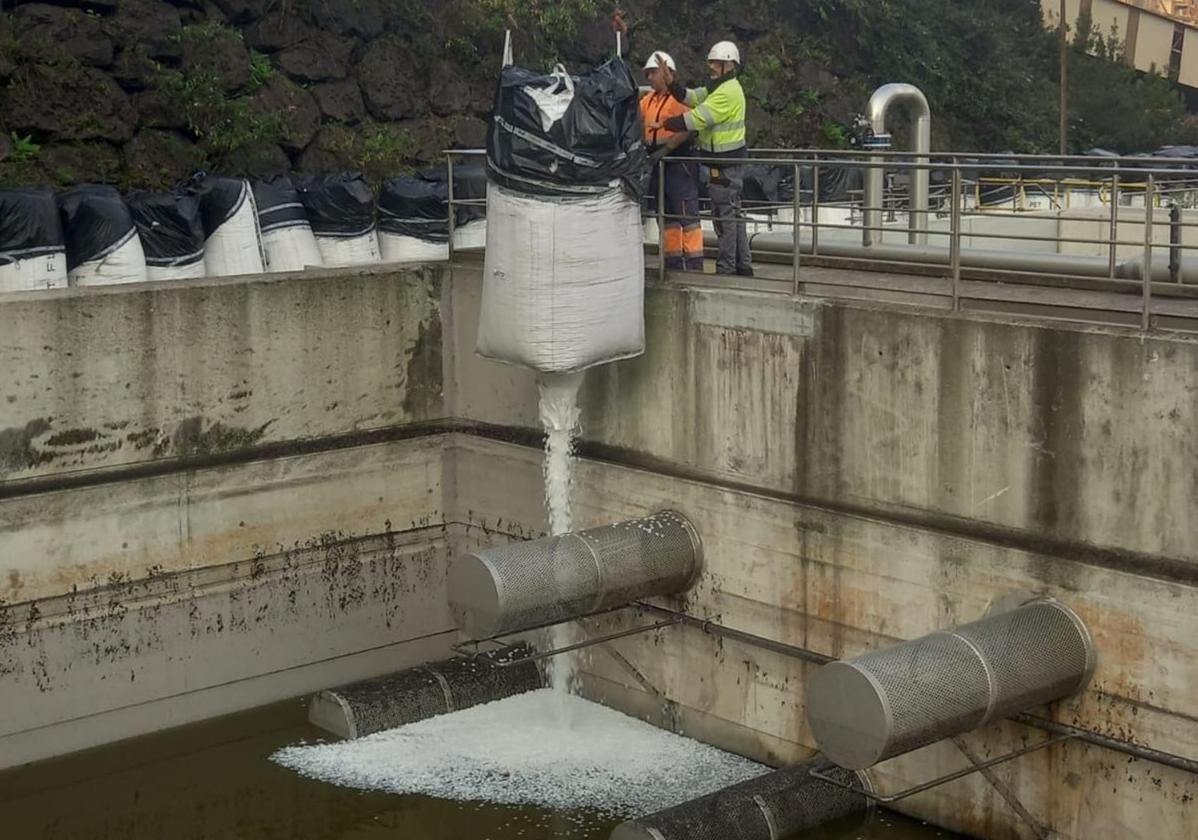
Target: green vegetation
x,y
377,150
23,148
261,70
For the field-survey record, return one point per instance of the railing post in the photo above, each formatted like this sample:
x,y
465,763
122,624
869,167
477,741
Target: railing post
x,y
1146,268
815,210
661,220
450,221
1175,243
1114,226
955,236
798,227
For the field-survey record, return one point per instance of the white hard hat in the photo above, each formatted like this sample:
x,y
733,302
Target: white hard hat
x,y
663,57
724,51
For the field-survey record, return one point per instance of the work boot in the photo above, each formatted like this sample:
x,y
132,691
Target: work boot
x,y
744,272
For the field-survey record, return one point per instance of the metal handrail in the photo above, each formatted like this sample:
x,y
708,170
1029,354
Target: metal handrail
x,y
956,208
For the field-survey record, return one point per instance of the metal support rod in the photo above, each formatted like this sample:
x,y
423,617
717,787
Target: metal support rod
x,y
1146,270
547,654
713,628
939,780
1114,226
814,210
797,227
1174,242
661,221
449,178
1064,107
955,237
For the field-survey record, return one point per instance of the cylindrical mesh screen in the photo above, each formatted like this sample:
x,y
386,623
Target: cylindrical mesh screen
x,y
370,706
892,701
778,804
531,584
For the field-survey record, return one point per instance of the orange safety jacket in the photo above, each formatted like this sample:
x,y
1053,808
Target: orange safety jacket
x,y
657,108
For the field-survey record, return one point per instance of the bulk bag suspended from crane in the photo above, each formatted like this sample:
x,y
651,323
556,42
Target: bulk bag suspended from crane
x,y
103,247
564,271
171,233
288,243
33,252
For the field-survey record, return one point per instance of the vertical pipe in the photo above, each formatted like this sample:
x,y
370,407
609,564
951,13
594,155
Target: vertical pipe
x,y
874,186
661,220
798,241
1175,243
955,236
449,176
1146,268
920,177
815,211
879,108
1114,226
1064,106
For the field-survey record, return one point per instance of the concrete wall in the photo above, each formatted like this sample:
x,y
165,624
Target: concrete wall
x,y
861,473
214,495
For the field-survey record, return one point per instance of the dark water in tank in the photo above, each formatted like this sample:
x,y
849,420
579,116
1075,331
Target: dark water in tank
x,y
213,781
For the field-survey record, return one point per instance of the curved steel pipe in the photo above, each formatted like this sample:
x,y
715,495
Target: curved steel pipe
x,y
880,104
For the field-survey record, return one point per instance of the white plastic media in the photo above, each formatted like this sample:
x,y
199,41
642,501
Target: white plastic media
x,y
564,280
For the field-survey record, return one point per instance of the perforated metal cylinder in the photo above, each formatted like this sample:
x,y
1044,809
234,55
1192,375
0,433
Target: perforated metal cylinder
x,y
892,701
531,584
778,804
437,688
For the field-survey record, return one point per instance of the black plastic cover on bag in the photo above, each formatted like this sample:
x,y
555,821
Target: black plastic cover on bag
x,y
29,224
595,141
415,207
469,184
279,204
220,199
768,184
170,227
338,205
95,221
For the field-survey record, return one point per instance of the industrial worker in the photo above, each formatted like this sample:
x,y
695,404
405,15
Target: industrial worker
x,y
682,235
717,115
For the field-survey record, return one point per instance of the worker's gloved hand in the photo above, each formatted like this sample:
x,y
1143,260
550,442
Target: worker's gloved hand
x,y
678,91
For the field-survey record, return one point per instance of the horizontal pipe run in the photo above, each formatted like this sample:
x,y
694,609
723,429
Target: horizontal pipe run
x,y
1177,762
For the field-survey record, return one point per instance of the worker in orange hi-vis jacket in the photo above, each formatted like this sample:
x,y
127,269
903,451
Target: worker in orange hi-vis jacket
x,y
683,237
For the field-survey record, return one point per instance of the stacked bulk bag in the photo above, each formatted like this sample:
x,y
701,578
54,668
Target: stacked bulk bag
x,y
287,238
171,233
469,199
33,252
103,247
413,220
564,271
341,211
231,244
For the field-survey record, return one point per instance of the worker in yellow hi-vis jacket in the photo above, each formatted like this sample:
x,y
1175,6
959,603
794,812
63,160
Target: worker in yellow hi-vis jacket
x,y
717,117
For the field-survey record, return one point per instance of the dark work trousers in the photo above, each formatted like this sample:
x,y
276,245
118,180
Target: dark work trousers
x,y
730,222
682,234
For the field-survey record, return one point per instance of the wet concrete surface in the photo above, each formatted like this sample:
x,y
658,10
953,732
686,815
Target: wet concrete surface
x,y
213,781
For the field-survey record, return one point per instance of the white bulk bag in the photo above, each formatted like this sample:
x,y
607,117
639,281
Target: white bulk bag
x,y
103,247
341,211
563,280
287,238
171,232
232,245
33,252
396,247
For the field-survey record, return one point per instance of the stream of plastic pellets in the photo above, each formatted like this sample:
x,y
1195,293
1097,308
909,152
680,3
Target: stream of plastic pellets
x,y
524,751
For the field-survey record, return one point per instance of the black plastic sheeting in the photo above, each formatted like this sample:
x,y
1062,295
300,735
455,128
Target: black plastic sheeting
x,y
220,199
170,227
415,207
96,222
338,205
469,184
279,204
29,224
596,141
773,184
